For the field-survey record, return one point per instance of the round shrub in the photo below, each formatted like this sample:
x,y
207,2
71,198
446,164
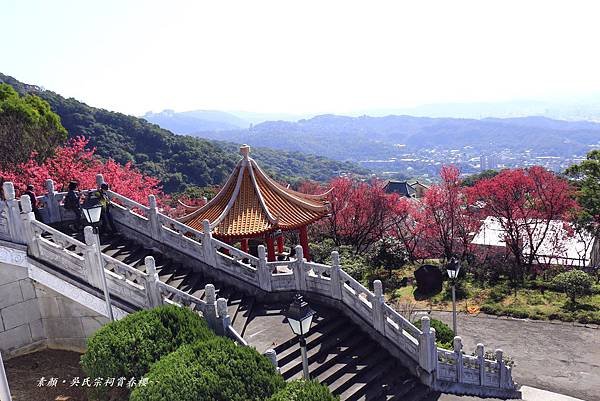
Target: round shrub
x,y
574,283
127,347
303,390
443,332
217,370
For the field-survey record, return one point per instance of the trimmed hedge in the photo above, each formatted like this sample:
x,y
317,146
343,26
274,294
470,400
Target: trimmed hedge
x,y
444,335
216,370
128,347
303,390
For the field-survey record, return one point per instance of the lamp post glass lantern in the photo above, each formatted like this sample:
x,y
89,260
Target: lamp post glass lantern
x,y
92,214
453,268
299,316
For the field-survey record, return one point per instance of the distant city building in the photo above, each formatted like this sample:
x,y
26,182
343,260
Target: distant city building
x,y
488,162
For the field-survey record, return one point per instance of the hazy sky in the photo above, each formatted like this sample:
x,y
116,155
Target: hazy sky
x,y
300,56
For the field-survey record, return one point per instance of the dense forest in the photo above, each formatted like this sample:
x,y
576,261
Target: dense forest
x,y
178,161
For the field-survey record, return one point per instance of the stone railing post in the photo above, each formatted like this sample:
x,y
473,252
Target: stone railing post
x,y
299,271
336,280
457,343
210,314
427,348
153,218
501,368
152,290
99,180
92,260
480,353
378,303
15,223
264,274
52,207
207,244
222,317
27,230
271,355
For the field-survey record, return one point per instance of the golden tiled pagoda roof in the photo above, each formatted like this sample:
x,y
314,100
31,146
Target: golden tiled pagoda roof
x,y
251,204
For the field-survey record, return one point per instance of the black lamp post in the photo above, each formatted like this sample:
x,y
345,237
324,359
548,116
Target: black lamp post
x,y
92,213
453,268
299,316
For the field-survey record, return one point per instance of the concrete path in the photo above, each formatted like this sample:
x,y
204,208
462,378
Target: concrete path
x,y
553,356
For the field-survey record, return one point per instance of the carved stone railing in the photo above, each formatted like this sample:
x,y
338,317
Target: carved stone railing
x,y
332,282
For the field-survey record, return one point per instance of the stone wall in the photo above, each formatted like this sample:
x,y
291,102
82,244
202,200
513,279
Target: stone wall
x,y
33,317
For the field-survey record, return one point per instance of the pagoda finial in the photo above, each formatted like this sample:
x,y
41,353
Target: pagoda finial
x,y
245,151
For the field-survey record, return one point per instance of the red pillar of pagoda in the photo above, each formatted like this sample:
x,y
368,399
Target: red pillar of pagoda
x,y
280,244
304,243
244,245
270,249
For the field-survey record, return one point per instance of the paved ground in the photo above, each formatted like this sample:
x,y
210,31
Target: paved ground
x,y
562,358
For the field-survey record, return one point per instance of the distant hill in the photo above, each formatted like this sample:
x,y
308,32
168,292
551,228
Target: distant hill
x,y
177,160
359,138
197,120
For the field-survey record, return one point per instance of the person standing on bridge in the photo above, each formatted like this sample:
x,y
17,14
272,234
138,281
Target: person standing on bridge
x,y
101,196
29,192
72,202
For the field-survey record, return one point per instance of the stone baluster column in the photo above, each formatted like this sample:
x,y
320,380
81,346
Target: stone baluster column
x,y
223,317
501,368
152,290
92,261
15,223
99,180
336,280
459,358
480,353
155,225
264,273
210,313
52,207
28,231
299,270
378,303
207,244
271,355
427,348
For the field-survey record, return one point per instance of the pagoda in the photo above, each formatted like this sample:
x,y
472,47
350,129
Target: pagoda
x,y
251,205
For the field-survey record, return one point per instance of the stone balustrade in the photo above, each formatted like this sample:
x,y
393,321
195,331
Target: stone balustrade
x,y
443,370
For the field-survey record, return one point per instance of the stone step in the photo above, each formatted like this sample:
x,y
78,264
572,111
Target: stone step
x,y
419,392
370,366
335,367
290,350
371,380
179,276
321,358
242,315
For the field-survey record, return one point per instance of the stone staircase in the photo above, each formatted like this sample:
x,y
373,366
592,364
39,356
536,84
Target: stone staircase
x,y
340,354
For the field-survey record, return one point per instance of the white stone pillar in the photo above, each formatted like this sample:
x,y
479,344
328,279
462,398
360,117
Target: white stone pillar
x,y
27,229
378,303
99,180
222,316
336,280
4,389
427,347
501,368
264,273
152,290
52,206
210,313
155,226
92,262
207,244
457,343
271,355
15,223
299,270
480,353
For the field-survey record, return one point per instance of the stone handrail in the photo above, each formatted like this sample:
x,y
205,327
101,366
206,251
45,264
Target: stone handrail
x,y
329,281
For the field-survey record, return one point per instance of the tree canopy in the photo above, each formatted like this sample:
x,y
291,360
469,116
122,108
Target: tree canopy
x,y
27,125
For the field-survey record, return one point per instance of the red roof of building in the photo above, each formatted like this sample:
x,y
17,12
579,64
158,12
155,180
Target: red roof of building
x,y
251,204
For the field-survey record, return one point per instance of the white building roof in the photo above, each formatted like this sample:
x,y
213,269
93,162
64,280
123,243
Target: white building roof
x,y
558,247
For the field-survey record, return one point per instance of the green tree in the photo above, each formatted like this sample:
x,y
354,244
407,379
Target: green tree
x,y
586,178
574,283
27,124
